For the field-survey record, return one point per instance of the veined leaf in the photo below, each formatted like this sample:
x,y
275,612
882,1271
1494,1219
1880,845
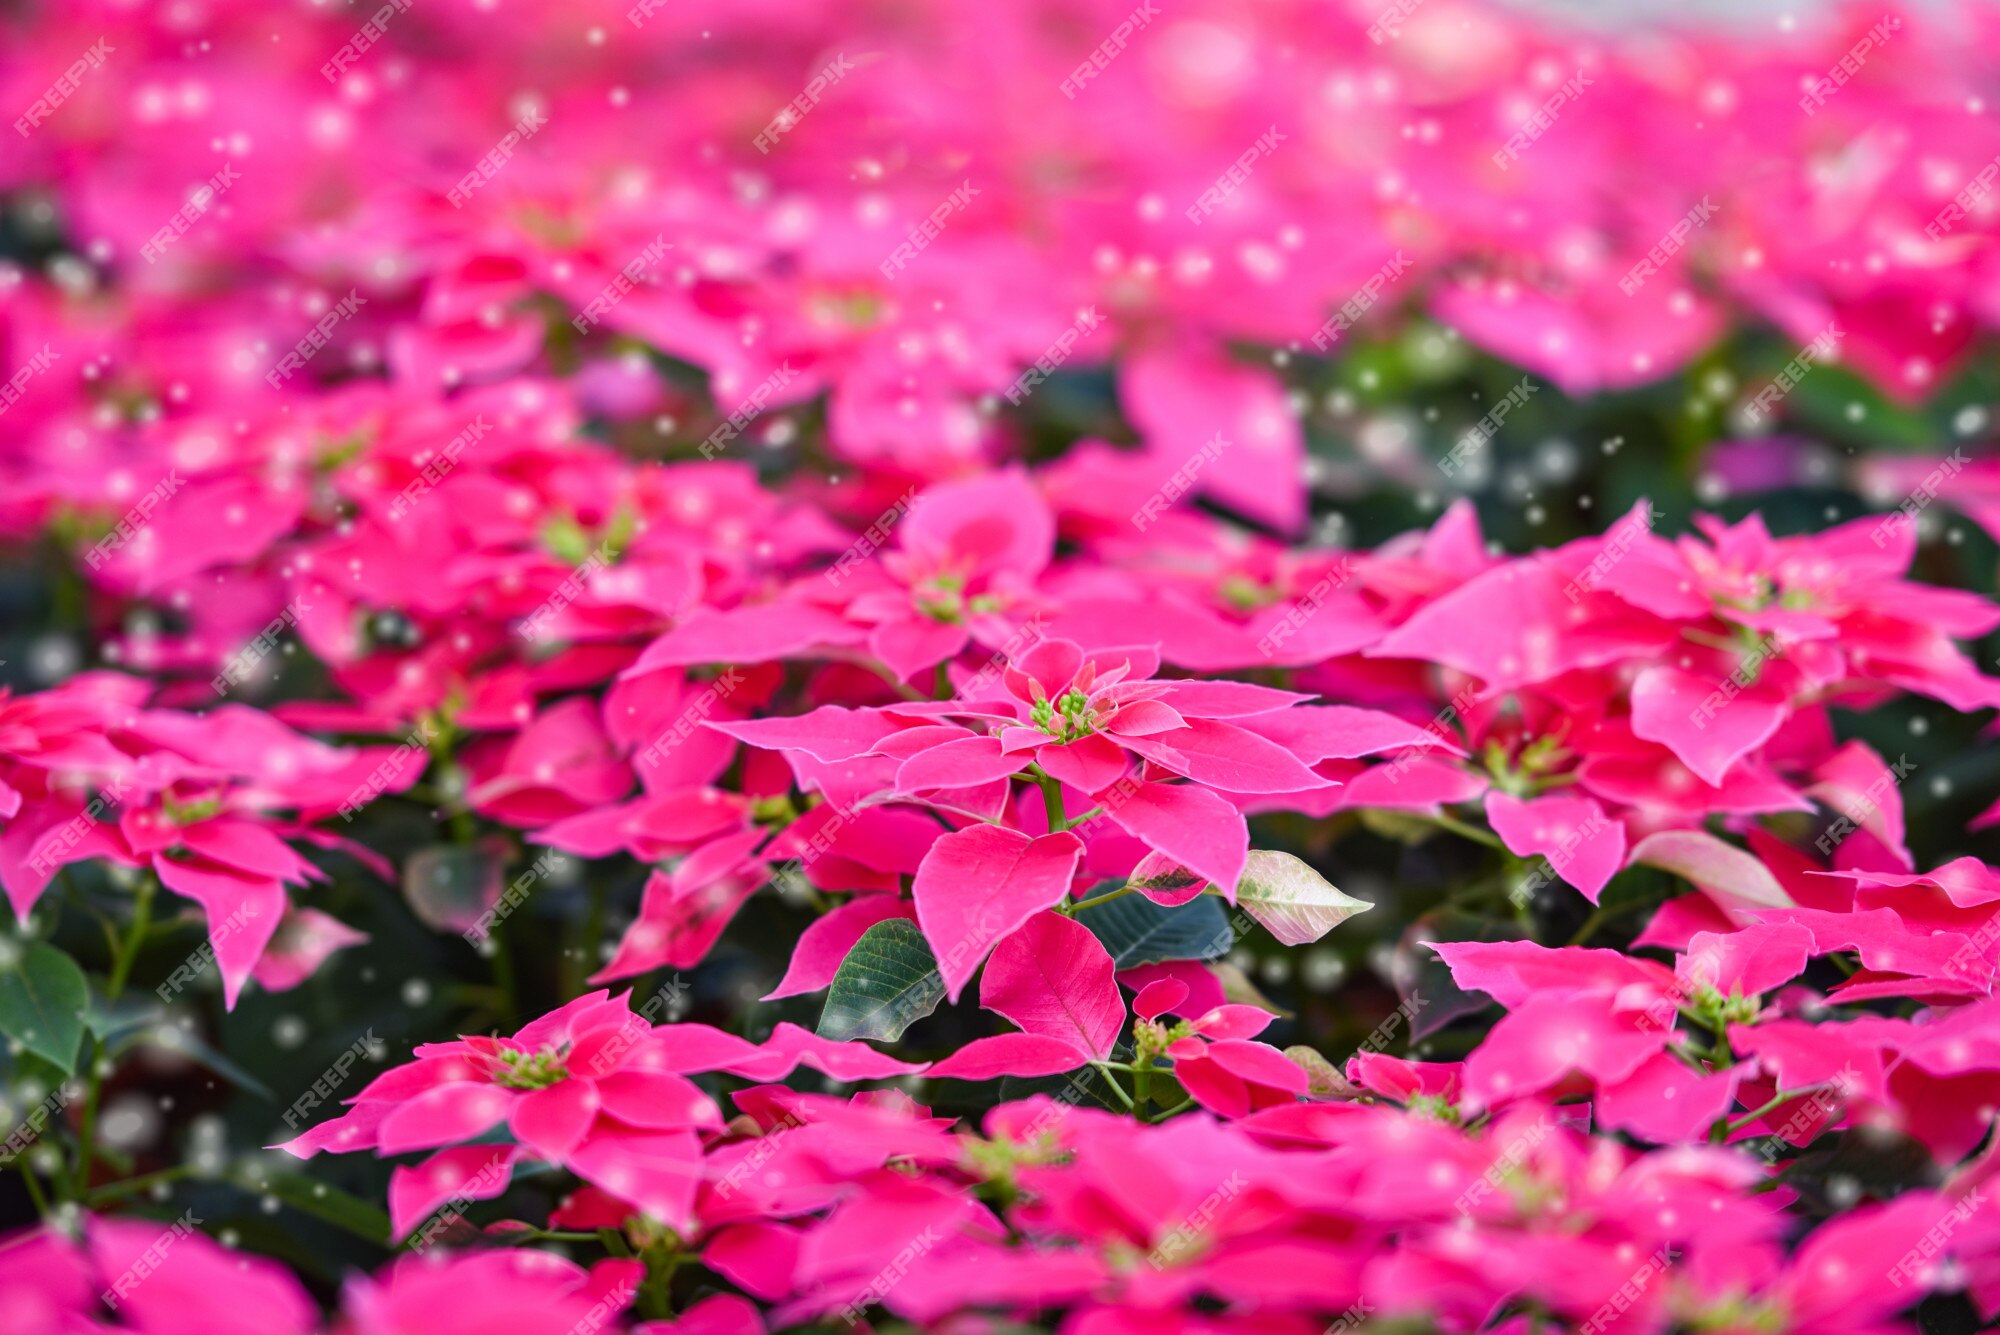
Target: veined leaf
x,y
887,983
1293,902
1137,931
43,1001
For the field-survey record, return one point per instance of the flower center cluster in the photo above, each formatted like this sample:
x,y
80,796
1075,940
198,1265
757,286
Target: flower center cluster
x,y
1719,1012
941,598
532,1070
1069,718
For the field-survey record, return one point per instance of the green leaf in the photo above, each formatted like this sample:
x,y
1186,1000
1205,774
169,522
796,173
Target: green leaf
x,y
1238,989
1400,826
176,1039
43,1000
1324,1079
1293,902
887,983
119,1024
331,1204
1137,931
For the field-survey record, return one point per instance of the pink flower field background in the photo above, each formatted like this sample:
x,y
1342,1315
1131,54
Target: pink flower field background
x,y
1181,668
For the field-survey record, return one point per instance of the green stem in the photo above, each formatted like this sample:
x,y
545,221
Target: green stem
x,y
114,987
1473,832
128,950
35,1191
1052,801
1095,900
1116,1088
503,970
576,969
656,1291
1590,924
129,1185
1178,1108
1778,1100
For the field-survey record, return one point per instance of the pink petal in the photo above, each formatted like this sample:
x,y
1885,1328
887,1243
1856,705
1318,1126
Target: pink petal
x,y
243,913
1512,972
1858,784
1183,397
1024,1055
1738,883
1054,977
982,525
1664,1102
442,1116
304,940
758,1258
909,645
829,733
475,1172
1159,997
1089,764
1228,699
659,1172
1049,663
1583,845
1344,732
250,849
1222,755
1515,625
977,885
1548,1037
1260,1064
1188,824
719,1314
550,1121
1235,1020
958,764
678,925
1165,881
759,634
658,1101
852,1060
182,1283
1204,990
1757,959
1675,708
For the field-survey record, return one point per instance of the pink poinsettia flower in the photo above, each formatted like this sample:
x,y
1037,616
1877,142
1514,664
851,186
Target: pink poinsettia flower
x,y
525,1292
580,1087
559,764
591,1086
965,559
159,1278
1613,1020
1082,718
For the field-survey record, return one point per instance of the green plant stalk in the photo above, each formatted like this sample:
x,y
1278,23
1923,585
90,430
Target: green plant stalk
x,y
121,969
1052,801
35,1192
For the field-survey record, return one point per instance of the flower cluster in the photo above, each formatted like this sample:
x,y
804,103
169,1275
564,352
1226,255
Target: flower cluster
x,y
834,501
